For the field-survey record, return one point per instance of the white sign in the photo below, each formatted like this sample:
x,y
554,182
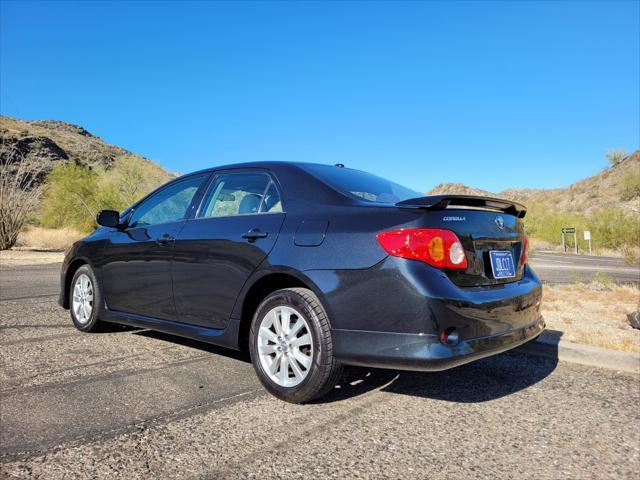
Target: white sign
x,y
587,235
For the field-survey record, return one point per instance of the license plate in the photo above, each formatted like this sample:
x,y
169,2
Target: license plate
x,y
502,264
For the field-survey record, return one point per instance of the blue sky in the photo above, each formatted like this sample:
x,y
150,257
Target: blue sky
x,y
494,95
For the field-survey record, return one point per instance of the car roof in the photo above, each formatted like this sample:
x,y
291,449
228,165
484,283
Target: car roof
x,y
269,164
300,184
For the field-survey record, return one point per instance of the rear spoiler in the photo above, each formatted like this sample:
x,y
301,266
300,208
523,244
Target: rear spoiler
x,y
441,202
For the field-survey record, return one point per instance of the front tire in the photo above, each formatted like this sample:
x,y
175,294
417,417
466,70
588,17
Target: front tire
x,y
84,300
291,348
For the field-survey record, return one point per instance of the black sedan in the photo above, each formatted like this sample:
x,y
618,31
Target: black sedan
x,y
311,267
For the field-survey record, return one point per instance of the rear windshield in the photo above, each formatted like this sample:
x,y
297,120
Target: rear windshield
x,y
360,184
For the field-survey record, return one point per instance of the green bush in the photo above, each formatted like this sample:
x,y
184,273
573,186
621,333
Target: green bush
x,y
630,186
71,188
67,186
604,280
610,228
133,177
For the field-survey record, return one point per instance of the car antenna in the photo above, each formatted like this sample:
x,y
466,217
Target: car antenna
x,y
84,204
339,165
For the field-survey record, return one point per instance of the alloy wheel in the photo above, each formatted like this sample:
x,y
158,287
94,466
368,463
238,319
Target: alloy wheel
x,y
285,346
83,299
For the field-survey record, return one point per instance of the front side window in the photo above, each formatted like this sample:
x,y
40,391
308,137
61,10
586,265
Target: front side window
x,y
241,194
363,185
168,205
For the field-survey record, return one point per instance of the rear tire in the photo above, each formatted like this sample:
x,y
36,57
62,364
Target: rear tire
x,y
85,299
291,329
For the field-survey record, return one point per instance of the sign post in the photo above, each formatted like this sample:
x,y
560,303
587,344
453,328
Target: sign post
x,y
587,236
569,230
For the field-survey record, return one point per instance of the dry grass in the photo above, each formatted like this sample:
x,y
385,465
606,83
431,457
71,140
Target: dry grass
x,y
19,258
37,238
593,313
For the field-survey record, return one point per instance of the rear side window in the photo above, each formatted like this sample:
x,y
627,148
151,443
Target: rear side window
x,y
240,194
363,185
272,203
168,205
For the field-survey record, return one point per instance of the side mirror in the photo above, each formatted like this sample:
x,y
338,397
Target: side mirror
x,y
108,218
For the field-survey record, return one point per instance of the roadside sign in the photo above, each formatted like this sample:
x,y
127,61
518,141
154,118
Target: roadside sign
x,y
569,231
587,237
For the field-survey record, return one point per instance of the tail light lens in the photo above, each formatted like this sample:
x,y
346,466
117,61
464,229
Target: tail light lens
x,y
439,248
525,251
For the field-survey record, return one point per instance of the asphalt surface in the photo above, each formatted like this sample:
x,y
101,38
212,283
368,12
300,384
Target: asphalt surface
x,y
554,267
138,404
29,281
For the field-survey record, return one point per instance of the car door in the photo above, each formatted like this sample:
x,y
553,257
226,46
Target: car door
x,y
236,226
136,271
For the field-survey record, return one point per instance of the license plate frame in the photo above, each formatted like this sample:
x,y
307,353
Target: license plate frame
x,y
502,265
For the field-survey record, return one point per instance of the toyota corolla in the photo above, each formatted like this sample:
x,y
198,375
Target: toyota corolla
x,y
311,267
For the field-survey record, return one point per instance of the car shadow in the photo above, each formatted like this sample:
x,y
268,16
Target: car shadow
x,y
118,328
479,381
187,342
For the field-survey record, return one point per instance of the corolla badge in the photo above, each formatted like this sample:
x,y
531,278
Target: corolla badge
x,y
499,222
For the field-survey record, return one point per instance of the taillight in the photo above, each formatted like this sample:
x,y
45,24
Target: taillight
x,y
525,251
438,248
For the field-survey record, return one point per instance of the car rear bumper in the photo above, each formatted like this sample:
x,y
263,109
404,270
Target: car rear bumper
x,y
423,352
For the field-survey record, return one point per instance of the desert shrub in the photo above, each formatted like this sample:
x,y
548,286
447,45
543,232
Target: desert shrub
x,y
631,254
614,157
610,228
73,193
615,229
575,277
604,280
69,190
19,194
630,186
133,177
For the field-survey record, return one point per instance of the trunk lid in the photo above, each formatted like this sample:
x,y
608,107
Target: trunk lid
x,y
483,225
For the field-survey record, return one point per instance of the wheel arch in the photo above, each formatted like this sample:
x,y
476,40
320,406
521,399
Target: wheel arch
x,y
73,267
261,285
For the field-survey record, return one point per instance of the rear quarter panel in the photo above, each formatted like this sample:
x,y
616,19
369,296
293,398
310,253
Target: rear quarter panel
x,y
349,241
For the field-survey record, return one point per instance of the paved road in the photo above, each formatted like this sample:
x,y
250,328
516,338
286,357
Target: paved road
x,y
29,281
137,404
554,267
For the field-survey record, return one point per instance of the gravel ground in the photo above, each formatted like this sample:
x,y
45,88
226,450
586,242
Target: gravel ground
x,y
593,314
137,404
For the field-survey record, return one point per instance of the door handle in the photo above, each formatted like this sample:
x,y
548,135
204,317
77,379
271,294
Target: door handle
x,y
254,234
165,239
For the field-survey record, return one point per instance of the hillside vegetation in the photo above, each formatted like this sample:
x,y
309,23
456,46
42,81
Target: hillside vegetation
x,y
607,204
76,171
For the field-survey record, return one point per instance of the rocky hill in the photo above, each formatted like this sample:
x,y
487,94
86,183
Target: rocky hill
x,y
43,144
606,189
47,143
459,189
